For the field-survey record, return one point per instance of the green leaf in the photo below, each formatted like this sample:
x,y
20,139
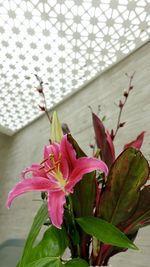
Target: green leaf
x,y
105,232
83,198
46,262
73,234
77,148
56,130
76,263
53,244
121,194
141,216
39,219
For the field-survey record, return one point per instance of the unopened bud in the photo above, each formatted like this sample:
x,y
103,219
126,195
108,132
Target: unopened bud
x,y
131,87
65,128
42,108
56,130
38,79
121,124
125,93
40,90
91,146
120,104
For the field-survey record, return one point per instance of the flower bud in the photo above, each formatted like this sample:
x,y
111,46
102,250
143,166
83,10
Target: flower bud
x,y
42,108
131,87
40,90
56,130
65,128
91,146
125,94
120,104
121,124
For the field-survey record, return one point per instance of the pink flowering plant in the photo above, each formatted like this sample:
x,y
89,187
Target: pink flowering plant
x,y
92,206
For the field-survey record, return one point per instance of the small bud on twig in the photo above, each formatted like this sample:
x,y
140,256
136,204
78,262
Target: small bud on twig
x,y
42,108
91,146
120,104
40,90
131,87
125,94
121,124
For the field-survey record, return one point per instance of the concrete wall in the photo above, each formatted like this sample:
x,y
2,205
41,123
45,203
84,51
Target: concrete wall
x,y
26,147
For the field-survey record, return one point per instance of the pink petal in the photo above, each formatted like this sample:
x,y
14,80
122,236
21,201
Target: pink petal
x,y
27,185
64,168
68,152
137,143
56,201
52,149
84,165
35,170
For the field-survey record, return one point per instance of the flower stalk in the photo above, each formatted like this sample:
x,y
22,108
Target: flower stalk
x,y
121,106
40,89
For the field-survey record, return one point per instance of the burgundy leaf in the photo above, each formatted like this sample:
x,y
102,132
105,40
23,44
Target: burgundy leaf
x,y
127,176
110,145
137,143
104,141
141,216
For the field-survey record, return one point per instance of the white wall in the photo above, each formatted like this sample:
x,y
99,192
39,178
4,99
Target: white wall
x,y
26,147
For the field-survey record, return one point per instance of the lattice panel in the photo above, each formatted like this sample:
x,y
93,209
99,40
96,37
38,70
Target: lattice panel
x,y
66,43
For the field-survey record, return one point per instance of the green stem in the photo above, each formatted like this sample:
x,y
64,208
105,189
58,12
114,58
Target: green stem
x,y
99,259
73,221
71,209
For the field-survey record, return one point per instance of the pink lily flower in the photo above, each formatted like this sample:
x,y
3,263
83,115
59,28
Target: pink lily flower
x,y
57,175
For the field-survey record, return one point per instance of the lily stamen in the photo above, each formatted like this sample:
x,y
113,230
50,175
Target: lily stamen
x,y
50,169
43,161
42,167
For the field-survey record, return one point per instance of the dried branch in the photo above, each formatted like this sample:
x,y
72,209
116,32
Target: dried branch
x,y
121,106
41,91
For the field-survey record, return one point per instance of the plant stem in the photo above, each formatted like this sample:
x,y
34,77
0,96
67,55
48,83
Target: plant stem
x,y
99,258
46,110
71,209
74,223
122,106
40,89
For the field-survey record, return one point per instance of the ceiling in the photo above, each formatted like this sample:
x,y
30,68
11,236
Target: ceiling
x,y
66,43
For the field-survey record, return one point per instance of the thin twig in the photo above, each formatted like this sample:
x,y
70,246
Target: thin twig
x,y
41,91
121,106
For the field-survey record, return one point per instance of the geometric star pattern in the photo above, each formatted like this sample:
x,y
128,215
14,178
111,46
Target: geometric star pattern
x,y
66,43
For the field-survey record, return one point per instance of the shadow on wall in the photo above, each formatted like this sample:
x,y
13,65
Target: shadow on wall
x,y
10,252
